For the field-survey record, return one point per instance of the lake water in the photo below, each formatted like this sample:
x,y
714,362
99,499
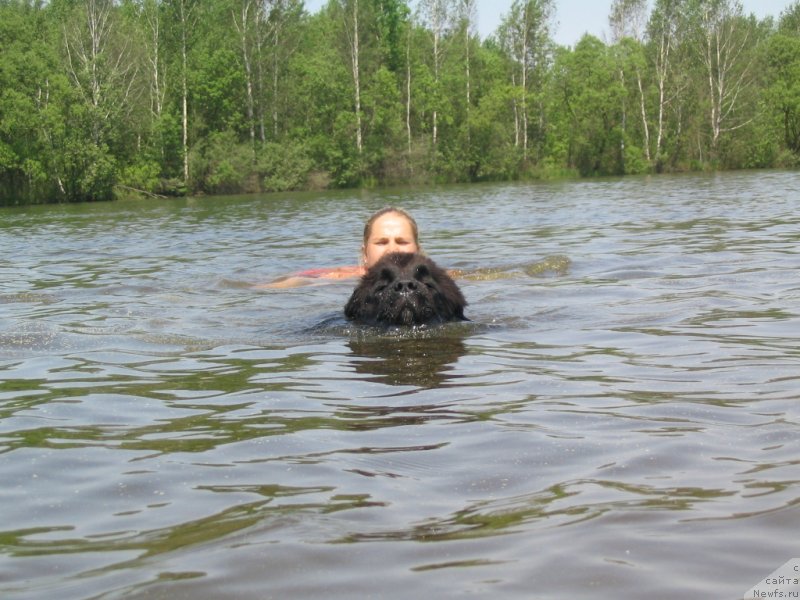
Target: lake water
x,y
625,428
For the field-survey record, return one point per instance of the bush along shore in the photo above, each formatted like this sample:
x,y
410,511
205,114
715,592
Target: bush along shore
x,y
176,97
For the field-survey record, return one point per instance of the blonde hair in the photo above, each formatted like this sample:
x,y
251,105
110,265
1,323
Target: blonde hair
x,y
385,211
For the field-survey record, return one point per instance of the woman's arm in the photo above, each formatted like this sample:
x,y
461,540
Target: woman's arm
x,y
313,276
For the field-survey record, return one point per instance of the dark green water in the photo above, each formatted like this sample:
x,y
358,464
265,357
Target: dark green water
x,y
625,429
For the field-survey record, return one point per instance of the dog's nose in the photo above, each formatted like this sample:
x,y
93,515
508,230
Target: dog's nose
x,y
405,287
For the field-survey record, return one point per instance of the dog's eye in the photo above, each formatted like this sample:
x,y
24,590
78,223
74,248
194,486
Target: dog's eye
x,y
387,275
423,274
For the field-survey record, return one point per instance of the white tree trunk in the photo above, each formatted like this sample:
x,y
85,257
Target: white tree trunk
x,y
184,16
243,27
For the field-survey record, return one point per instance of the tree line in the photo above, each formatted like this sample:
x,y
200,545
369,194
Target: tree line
x,y
168,97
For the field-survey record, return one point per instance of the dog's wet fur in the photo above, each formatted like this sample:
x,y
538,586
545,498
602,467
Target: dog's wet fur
x,y
406,289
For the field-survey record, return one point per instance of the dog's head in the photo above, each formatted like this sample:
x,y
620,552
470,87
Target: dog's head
x,y
406,288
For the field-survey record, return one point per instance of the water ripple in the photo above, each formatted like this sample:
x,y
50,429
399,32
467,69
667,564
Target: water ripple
x,y
168,430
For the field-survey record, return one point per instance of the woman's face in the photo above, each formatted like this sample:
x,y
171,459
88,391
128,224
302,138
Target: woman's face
x,y
391,232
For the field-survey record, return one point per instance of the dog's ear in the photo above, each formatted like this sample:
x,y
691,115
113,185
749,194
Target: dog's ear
x,y
450,300
359,299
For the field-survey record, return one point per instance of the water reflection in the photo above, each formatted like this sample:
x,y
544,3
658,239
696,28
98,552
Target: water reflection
x,y
422,359
562,504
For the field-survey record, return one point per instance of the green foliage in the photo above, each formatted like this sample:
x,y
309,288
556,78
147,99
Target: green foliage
x,y
634,160
216,91
783,90
493,133
90,171
383,123
221,164
591,94
285,167
790,20
141,176
200,97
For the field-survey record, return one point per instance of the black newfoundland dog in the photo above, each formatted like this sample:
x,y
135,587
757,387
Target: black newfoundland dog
x,y
404,288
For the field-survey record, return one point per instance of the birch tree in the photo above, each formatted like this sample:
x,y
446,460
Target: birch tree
x,y
525,34
437,15
246,21
663,34
102,69
99,62
280,18
409,41
184,13
724,38
350,15
467,18
154,55
627,21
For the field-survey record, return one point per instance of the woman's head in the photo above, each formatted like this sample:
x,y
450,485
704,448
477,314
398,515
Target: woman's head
x,y
389,230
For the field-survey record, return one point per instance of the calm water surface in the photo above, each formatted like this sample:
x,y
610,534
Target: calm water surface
x,y
625,429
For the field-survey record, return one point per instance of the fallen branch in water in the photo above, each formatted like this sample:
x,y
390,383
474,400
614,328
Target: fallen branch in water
x,y
143,192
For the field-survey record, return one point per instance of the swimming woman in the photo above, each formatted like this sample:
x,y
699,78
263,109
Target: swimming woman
x,y
391,229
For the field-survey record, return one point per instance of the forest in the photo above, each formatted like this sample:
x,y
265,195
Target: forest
x,y
107,98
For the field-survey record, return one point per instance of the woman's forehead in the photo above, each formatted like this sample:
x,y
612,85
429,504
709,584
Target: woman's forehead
x,y
391,224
